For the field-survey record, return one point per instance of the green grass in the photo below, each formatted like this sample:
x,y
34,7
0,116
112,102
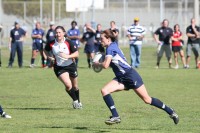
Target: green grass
x,y
37,102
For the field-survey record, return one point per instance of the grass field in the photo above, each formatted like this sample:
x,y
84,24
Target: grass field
x,y
37,102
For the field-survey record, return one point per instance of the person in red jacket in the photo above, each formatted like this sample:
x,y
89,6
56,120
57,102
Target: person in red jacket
x,y
177,43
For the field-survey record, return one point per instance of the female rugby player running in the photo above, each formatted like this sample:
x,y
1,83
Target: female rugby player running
x,y
126,78
65,52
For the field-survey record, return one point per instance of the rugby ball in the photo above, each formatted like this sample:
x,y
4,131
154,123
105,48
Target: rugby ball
x,y
98,58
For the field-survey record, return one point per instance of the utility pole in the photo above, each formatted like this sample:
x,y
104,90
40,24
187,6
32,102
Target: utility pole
x,y
53,10
196,11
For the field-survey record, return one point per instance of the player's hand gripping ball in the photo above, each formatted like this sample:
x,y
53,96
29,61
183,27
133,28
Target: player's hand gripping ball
x,y
98,58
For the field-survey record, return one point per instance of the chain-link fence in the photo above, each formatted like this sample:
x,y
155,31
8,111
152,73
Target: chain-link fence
x,y
121,11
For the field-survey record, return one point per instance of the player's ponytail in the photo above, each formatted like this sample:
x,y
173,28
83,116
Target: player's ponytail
x,y
109,34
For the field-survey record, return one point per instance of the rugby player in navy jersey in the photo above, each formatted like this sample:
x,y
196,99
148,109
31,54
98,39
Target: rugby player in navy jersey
x,y
126,78
50,36
64,52
74,35
88,40
97,41
3,114
16,44
37,46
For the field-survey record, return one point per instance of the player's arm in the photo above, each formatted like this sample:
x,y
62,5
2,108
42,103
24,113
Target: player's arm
x,y
116,32
73,37
190,35
196,32
73,49
156,38
47,50
73,55
104,64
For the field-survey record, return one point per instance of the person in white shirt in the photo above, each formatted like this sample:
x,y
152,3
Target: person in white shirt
x,y
64,54
135,35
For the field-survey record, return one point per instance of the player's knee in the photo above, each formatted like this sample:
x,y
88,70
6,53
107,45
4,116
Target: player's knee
x,y
147,100
67,88
104,92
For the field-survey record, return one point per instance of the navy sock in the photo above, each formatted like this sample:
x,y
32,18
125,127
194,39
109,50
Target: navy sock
x,y
157,103
88,60
1,110
72,94
110,103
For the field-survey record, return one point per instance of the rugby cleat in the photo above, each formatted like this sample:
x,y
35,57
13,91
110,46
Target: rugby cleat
x,y
113,120
175,117
4,115
76,105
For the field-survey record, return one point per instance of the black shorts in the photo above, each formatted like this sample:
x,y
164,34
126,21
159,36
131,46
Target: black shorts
x,y
37,46
176,48
71,69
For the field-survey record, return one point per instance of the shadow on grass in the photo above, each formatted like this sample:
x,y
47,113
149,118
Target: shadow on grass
x,y
35,108
100,130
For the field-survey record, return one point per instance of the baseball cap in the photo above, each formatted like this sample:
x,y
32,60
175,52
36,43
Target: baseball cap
x,y
136,19
16,22
51,23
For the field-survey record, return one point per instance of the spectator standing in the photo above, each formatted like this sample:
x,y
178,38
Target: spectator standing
x,y
135,35
37,46
177,42
74,35
88,40
162,37
50,36
17,35
193,34
115,30
97,41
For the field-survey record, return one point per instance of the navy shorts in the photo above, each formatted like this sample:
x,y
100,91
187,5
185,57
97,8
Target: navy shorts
x,y
37,46
71,69
89,49
131,80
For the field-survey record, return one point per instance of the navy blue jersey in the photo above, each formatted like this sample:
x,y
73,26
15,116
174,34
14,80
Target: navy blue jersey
x,y
98,36
51,34
89,37
74,32
164,34
16,34
37,32
118,63
190,30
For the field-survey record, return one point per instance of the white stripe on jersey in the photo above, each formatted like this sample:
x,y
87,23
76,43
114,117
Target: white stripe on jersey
x,y
136,31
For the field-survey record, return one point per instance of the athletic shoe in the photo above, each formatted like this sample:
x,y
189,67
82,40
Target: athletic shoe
x,y
80,104
9,66
157,67
175,117
4,115
176,67
76,105
113,120
32,65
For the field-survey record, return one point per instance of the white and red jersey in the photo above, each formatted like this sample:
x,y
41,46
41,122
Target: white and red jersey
x,y
67,47
176,35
